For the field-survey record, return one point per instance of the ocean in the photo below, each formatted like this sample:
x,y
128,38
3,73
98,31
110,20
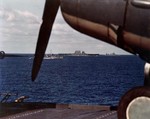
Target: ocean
x,y
72,80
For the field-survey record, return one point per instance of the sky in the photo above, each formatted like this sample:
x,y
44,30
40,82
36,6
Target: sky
x,y
20,21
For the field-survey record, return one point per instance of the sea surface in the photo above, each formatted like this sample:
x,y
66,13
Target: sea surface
x,y
76,80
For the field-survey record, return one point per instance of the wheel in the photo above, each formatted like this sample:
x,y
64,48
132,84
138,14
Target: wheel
x,y
135,104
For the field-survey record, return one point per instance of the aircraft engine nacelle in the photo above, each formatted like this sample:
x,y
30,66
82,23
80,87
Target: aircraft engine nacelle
x,y
114,21
93,18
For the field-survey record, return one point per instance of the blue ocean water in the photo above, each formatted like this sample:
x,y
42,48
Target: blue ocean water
x,y
77,80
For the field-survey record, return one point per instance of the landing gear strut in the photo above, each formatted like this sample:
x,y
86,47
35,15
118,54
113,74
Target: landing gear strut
x,y
147,74
135,104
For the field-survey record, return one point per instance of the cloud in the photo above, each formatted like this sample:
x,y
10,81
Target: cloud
x,y
17,22
26,16
10,15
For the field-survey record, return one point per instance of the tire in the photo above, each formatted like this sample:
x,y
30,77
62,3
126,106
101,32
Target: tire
x,y
131,99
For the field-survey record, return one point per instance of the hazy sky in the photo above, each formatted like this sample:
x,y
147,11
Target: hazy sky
x,y
19,26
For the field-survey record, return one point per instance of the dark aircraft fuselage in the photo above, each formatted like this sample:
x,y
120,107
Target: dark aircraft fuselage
x,y
123,23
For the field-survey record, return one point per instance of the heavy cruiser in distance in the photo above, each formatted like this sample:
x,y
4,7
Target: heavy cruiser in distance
x,y
123,23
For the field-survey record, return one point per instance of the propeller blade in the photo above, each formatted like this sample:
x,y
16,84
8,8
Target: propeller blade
x,y
50,12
